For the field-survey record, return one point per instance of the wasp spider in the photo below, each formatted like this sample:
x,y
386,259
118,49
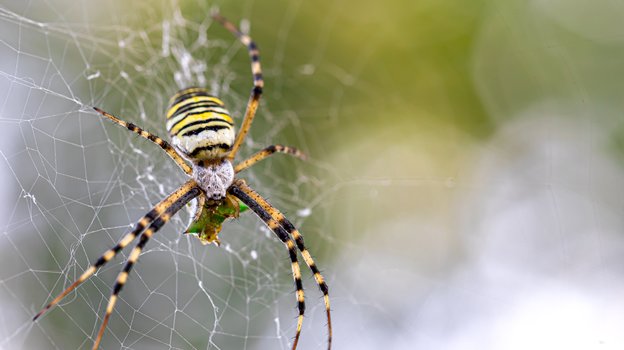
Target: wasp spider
x,y
202,133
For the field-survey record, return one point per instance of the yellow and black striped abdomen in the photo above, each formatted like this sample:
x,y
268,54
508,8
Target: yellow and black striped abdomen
x,y
199,125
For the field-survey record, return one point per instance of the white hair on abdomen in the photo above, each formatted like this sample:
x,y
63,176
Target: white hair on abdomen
x,y
207,138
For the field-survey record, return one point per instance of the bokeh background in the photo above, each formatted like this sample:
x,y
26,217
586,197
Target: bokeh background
x,y
465,188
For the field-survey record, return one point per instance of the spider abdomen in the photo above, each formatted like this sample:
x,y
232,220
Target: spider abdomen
x,y
199,125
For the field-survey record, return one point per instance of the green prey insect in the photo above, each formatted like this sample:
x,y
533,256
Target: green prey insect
x,y
207,222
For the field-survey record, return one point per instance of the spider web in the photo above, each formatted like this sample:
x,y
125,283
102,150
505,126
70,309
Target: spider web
x,y
464,189
79,183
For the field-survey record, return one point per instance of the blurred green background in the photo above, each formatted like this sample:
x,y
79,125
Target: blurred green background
x,y
464,188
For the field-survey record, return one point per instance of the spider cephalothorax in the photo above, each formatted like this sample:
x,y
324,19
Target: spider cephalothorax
x,y
214,177
202,132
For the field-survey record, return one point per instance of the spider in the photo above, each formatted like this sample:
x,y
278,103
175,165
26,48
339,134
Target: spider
x,y
202,133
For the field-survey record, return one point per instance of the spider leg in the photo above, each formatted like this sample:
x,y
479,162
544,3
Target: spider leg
x,y
180,197
290,244
278,223
145,221
155,139
258,82
266,152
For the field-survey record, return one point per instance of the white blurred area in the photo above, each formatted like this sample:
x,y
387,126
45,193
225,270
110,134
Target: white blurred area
x,y
538,231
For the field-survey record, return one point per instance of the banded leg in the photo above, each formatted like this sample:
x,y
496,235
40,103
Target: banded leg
x,y
180,197
262,154
155,139
277,222
146,220
290,244
258,82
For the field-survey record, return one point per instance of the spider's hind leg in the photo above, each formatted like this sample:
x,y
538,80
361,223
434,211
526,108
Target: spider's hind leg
x,y
258,81
147,135
267,152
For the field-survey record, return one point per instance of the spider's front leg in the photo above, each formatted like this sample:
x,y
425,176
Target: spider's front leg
x,y
247,198
148,224
286,231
